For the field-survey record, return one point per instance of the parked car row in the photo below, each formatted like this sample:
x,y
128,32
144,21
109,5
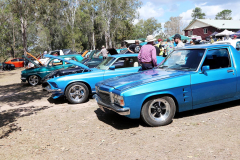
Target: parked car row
x,y
190,77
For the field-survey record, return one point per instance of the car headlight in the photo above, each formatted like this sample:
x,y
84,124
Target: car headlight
x,y
117,99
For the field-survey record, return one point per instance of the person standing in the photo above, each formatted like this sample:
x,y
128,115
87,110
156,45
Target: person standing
x,y
157,49
147,55
168,48
234,37
178,41
173,42
135,48
211,40
159,45
104,52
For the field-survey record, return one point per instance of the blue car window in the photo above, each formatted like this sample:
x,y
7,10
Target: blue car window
x,y
104,65
217,58
186,59
238,46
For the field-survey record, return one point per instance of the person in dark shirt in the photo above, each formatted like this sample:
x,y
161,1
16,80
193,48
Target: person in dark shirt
x,y
157,49
135,48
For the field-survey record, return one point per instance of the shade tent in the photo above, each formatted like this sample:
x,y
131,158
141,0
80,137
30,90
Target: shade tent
x,y
182,37
131,41
213,34
142,39
236,33
225,33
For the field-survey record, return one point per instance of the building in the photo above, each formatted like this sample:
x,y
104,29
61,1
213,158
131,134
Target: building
x,y
206,27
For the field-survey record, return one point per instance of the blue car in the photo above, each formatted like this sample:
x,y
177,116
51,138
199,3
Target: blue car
x,y
189,78
77,87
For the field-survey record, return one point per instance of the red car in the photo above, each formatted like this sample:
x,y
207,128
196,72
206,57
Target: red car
x,y
17,62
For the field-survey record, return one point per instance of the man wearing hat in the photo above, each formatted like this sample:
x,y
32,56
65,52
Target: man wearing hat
x,y
147,55
104,52
178,41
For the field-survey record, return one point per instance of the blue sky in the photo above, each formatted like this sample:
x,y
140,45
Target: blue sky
x,y
162,10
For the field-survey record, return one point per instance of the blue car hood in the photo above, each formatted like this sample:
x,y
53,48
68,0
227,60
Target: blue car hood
x,y
69,61
135,79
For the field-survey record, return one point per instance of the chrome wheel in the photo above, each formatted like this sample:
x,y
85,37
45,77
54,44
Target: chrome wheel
x,y
77,93
159,110
33,80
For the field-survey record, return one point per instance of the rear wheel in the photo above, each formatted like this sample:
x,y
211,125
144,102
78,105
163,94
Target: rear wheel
x,y
77,93
158,111
33,80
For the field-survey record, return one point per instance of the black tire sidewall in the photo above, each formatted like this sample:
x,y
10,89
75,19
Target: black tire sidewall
x,y
85,95
146,117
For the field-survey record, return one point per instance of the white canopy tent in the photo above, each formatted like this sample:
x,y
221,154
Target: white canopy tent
x,y
225,33
131,41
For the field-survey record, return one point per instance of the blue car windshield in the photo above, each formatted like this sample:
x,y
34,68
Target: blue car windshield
x,y
186,59
104,65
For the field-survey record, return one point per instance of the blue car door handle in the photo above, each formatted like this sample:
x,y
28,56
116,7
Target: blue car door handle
x,y
231,70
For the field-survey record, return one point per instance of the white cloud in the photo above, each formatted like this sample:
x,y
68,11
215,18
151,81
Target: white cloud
x,y
186,16
150,10
212,10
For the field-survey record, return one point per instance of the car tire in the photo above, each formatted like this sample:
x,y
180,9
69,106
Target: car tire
x,y
33,80
158,111
77,93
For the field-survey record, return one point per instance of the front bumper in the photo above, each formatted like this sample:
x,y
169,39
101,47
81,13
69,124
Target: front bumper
x,y
112,107
23,79
53,90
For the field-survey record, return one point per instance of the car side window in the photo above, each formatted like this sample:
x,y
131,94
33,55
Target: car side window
x,y
217,58
14,60
70,58
55,62
126,62
238,46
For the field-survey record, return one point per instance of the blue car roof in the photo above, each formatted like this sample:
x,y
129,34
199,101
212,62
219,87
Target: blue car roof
x,y
124,55
69,61
206,46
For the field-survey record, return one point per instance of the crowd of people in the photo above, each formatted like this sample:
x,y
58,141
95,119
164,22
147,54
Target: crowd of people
x,y
147,53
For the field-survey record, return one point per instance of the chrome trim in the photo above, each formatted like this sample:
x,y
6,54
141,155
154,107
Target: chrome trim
x,y
22,78
53,90
112,107
103,91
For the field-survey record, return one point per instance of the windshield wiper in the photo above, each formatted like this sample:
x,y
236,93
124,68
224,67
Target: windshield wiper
x,y
162,66
181,68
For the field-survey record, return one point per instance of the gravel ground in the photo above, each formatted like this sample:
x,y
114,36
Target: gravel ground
x,y
34,126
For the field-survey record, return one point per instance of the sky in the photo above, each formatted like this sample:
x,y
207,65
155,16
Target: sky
x,y
162,10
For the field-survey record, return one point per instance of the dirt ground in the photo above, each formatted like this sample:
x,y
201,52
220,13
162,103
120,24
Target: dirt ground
x,y
34,126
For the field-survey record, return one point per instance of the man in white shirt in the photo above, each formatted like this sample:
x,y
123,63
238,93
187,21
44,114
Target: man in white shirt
x,y
178,41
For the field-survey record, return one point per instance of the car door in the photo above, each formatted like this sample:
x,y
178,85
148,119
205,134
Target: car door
x,y
217,83
123,65
14,62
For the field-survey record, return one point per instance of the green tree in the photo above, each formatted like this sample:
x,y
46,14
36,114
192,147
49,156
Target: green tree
x,y
146,27
197,13
224,15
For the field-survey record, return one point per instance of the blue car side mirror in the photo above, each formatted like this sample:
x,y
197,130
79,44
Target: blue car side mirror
x,y
112,68
205,68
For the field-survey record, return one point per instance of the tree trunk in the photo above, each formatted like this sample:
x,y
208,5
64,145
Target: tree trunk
x,y
24,34
14,41
93,39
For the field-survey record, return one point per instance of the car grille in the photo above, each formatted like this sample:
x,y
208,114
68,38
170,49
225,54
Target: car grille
x,y
105,97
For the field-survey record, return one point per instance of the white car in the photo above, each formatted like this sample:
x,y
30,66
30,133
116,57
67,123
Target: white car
x,y
235,43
